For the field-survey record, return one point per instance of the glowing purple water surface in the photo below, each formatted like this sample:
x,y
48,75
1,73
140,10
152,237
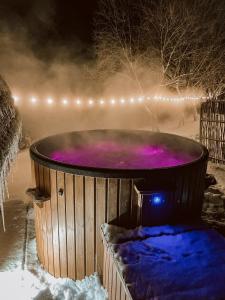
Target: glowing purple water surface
x,y
116,155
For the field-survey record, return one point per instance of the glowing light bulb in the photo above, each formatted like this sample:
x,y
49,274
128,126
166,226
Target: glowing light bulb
x,y
131,100
33,100
102,102
16,98
90,102
50,101
78,102
65,102
157,200
140,99
122,101
113,101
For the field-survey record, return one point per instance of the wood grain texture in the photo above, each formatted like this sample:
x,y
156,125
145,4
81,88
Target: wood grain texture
x,y
113,280
212,129
101,198
69,242
37,218
80,227
62,223
90,232
70,225
55,223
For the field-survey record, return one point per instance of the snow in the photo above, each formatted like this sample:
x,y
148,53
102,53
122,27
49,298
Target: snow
x,y
18,259
170,262
20,269
28,286
181,262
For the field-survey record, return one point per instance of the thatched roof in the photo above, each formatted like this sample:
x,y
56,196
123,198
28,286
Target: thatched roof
x,y
10,130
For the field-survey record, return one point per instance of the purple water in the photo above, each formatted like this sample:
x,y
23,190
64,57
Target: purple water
x,y
113,154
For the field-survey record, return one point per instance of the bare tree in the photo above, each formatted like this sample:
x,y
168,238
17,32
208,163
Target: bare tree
x,y
188,38
185,39
119,44
117,39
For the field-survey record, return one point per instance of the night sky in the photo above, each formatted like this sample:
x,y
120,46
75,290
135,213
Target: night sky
x,y
50,23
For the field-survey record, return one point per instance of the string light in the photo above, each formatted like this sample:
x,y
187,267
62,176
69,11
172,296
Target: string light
x,y
112,101
91,102
64,101
50,101
33,100
78,102
16,98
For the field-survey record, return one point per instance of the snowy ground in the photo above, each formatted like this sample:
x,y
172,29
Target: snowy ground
x,y
18,260
170,262
21,276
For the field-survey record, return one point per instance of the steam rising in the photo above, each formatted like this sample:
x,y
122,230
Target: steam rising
x,y
65,71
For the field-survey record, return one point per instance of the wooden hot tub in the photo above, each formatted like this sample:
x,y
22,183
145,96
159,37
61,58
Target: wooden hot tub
x,y
84,179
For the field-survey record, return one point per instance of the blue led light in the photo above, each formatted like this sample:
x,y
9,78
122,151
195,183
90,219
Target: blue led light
x,y
157,200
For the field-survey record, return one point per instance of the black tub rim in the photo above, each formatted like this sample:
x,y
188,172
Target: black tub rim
x,y
113,173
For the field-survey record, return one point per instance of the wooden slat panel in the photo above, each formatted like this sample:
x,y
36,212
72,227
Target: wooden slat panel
x,y
107,269
100,219
112,200
45,187
48,214
43,218
114,282
69,181
55,224
212,129
41,178
80,233
124,200
118,286
90,239
36,210
112,277
110,287
123,294
62,223
104,267
68,235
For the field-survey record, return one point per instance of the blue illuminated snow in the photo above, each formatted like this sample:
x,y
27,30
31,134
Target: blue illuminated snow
x,y
171,262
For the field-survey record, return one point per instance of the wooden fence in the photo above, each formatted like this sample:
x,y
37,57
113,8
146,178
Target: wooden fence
x,y
113,280
212,129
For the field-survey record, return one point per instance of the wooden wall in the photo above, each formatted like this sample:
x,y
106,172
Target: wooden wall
x,y
68,225
212,129
113,280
